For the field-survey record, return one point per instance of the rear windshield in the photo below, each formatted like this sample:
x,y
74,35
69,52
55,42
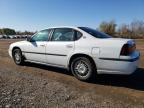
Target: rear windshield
x,y
94,32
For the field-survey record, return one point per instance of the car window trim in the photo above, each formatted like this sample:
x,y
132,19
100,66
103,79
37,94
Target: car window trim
x,y
50,34
41,31
74,34
63,41
76,38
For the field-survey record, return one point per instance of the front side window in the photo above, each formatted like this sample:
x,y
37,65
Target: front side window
x,y
41,36
63,34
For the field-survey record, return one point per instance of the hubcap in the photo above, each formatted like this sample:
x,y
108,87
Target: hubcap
x,y
81,68
17,56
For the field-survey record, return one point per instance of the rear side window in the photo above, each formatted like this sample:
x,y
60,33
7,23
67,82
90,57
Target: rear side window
x,y
63,34
95,33
78,35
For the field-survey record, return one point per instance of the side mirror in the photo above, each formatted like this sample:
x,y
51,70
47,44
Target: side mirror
x,y
28,38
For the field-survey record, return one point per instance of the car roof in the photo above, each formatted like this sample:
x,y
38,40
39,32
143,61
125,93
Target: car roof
x,y
62,27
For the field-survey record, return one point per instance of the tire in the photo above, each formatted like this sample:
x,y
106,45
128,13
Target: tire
x,y
17,56
83,69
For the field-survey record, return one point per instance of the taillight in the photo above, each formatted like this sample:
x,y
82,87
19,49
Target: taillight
x,y
127,49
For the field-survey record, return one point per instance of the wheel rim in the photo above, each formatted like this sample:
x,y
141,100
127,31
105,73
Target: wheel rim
x,y
81,68
17,56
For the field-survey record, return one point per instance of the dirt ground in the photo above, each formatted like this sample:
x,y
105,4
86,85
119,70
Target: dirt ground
x,y
41,86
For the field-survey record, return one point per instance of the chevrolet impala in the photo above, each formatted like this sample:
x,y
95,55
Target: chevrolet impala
x,y
84,51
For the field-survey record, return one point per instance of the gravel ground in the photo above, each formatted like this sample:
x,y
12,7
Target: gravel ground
x,y
25,90
41,86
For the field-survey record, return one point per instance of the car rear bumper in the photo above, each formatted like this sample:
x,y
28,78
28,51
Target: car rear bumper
x,y
124,65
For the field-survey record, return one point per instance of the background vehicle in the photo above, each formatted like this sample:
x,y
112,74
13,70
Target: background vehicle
x,y
1,36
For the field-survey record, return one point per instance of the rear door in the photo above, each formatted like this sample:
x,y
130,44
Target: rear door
x,y
60,46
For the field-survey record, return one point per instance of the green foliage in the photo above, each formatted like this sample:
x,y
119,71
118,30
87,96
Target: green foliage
x,y
24,33
7,31
0,31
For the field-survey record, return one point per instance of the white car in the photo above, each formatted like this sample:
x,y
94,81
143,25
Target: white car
x,y
82,50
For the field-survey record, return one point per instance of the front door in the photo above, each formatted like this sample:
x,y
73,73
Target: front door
x,y
35,49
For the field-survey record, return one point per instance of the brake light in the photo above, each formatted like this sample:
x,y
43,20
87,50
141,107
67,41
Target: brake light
x,y
127,49
124,50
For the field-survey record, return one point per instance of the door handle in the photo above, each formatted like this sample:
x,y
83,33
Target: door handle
x,y
42,45
69,46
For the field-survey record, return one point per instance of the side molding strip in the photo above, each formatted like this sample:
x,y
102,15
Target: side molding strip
x,y
44,53
127,60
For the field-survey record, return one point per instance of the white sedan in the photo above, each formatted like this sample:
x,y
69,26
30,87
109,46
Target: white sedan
x,y
82,50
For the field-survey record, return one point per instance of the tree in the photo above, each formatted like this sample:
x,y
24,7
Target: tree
x,y
137,28
108,27
24,33
124,31
0,31
8,31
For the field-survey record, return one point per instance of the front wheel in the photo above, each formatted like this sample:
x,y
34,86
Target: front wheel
x,y
83,69
17,56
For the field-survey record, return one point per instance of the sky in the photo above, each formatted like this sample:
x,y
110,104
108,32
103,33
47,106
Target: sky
x,y
35,15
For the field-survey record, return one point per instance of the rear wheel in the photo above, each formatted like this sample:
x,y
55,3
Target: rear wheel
x,y
17,56
83,69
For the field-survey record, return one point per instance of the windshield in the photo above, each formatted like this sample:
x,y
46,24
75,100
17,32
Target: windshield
x,y
94,32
